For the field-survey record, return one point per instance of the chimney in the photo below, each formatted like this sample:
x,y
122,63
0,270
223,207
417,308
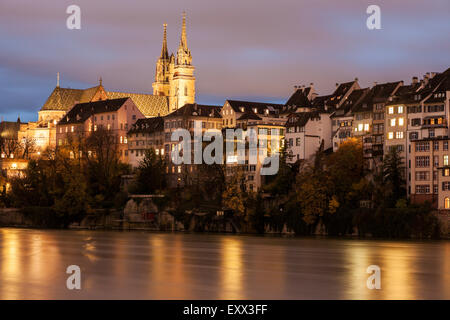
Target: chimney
x,y
415,80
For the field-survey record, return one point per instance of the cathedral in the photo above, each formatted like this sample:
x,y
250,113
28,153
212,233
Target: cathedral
x,y
174,76
174,86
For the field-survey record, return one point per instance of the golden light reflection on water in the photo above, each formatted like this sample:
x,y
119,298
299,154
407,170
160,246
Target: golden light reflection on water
x,y
231,269
10,262
358,261
397,267
397,277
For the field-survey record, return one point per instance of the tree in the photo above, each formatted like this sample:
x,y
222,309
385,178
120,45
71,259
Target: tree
x,y
234,195
393,177
151,175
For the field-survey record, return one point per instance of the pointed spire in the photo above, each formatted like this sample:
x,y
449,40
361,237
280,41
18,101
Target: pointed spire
x,y
183,40
164,52
100,80
57,79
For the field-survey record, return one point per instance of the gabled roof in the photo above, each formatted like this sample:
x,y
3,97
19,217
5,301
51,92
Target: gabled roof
x,y
339,93
82,111
351,102
249,115
250,105
148,125
299,98
197,110
300,119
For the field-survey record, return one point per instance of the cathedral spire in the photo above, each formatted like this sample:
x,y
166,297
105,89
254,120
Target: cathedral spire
x,y
164,52
183,40
183,54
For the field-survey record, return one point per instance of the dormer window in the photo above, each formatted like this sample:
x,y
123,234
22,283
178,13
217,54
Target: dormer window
x,y
255,110
242,109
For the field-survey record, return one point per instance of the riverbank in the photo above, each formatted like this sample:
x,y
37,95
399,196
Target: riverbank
x,y
136,218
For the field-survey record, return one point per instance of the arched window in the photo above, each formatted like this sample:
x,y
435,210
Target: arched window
x,y
447,203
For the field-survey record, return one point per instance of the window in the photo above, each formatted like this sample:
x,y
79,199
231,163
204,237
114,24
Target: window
x,y
297,142
413,136
447,203
445,186
436,161
400,109
422,161
399,135
431,133
446,172
415,122
446,160
436,145
360,127
424,188
445,145
134,117
391,110
390,135
366,127
393,122
422,175
400,121
422,146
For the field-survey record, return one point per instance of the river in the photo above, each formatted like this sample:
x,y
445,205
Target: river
x,y
144,265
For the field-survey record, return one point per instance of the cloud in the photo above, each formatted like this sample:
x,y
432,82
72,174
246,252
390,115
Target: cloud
x,y
250,48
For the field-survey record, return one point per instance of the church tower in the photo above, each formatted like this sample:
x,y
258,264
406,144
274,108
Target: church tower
x,y
183,84
163,76
174,77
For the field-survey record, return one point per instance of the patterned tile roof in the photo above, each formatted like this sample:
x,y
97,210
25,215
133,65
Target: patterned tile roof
x,y
150,105
65,98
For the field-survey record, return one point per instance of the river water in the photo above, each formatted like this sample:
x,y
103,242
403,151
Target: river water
x,y
143,265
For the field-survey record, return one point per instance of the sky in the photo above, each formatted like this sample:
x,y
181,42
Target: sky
x,y
242,49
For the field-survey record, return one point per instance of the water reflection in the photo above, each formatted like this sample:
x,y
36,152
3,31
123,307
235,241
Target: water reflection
x,y
231,269
138,265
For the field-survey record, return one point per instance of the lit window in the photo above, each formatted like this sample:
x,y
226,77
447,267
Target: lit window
x,y
121,139
162,151
447,203
393,122
446,160
179,169
366,127
109,126
400,109
95,127
390,135
400,121
399,135
72,128
360,127
391,110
